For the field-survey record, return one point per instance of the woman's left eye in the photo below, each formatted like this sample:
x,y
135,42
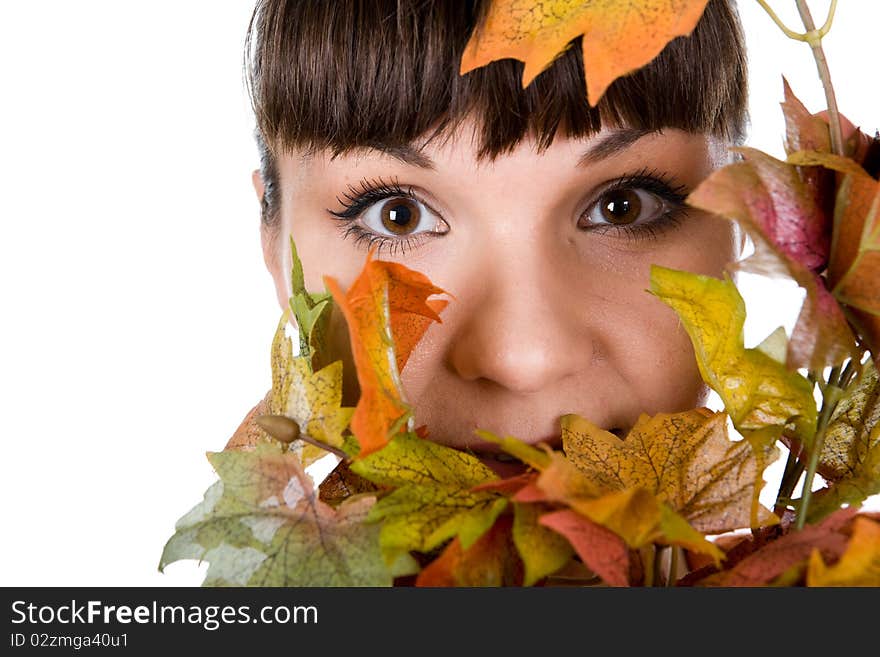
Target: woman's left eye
x,y
622,207
640,205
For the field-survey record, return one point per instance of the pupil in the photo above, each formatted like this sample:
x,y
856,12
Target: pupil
x,y
622,207
399,217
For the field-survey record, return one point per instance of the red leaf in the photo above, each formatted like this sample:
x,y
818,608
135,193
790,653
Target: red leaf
x,y
830,537
603,551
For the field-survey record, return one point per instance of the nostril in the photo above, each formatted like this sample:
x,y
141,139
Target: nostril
x,y
617,431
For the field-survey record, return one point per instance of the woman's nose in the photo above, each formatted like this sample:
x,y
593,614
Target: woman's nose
x,y
521,332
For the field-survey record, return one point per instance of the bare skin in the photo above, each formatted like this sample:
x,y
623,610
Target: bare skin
x,y
550,314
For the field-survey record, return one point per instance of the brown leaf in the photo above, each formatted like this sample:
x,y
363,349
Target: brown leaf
x,y
685,459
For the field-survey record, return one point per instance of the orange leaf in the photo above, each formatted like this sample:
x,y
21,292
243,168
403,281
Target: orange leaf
x,y
603,551
387,312
619,36
859,565
491,561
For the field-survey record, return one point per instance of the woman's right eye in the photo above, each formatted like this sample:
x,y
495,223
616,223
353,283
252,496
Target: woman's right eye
x,y
400,217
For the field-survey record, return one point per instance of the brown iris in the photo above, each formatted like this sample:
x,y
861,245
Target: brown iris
x,y
621,206
400,216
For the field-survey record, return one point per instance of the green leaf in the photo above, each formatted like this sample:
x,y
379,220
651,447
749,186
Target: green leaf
x,y
312,312
432,501
262,524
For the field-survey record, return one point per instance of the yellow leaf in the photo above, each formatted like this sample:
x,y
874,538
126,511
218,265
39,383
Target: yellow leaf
x,y
848,440
619,36
858,566
542,550
757,391
311,399
685,459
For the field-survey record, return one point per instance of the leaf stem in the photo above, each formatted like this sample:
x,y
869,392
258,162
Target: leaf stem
x,y
794,468
830,396
814,38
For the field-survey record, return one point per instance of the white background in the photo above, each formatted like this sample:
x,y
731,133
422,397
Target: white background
x,y
136,312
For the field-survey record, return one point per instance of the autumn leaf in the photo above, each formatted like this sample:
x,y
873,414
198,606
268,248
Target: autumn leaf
x,y
312,312
790,551
432,500
263,525
850,455
854,266
387,311
311,399
757,391
847,438
790,232
603,551
541,547
685,459
635,514
807,227
490,561
858,566
619,36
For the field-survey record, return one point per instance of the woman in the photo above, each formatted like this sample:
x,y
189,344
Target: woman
x,y
540,214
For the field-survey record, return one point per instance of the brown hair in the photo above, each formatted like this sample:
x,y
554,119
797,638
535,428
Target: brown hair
x,y
347,74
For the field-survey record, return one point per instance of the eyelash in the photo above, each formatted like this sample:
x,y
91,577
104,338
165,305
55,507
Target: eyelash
x,y
374,190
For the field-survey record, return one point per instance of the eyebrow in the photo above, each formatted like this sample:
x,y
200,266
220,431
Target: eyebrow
x,y
613,142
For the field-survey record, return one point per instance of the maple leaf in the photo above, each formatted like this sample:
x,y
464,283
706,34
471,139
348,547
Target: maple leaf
x,y
634,514
619,36
263,525
543,551
387,311
490,561
603,551
858,566
685,459
311,399
432,500
758,392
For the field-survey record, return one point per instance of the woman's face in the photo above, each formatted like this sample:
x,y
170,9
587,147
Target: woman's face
x,y
548,257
